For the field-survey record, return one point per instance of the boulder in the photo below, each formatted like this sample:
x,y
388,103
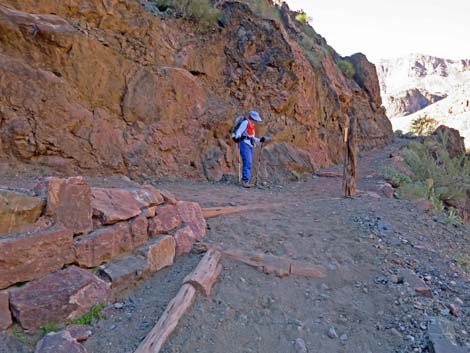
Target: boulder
x,y
454,142
17,210
185,239
28,256
58,297
5,314
68,202
166,220
159,252
59,342
114,205
104,244
387,191
191,214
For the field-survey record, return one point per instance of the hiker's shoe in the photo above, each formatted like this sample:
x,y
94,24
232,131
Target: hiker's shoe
x,y
246,184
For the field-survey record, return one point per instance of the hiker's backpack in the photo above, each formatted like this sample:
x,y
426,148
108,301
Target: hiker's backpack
x,y
236,124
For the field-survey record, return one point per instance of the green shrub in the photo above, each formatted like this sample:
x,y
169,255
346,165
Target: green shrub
x,y
49,328
347,68
306,43
201,11
20,336
93,313
264,9
423,126
396,178
435,176
303,18
463,260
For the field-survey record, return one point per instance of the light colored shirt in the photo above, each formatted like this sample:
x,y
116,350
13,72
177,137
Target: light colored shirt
x,y
243,131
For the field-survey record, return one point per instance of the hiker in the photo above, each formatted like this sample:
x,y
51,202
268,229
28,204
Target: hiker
x,y
245,136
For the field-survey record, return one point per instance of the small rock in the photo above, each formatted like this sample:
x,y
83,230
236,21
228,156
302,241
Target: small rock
x,y
332,333
427,278
118,305
454,309
300,346
381,279
79,332
344,337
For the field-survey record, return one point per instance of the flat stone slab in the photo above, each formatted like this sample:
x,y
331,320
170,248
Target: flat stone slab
x,y
28,256
148,195
191,214
68,202
166,220
5,314
17,210
441,337
59,297
59,342
114,205
125,272
103,245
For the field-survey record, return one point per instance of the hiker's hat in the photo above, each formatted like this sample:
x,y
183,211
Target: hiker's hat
x,y
255,116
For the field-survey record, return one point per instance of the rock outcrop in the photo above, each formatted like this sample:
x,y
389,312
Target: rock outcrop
x,y
425,86
108,87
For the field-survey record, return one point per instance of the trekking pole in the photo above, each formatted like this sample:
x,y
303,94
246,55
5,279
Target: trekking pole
x,y
239,166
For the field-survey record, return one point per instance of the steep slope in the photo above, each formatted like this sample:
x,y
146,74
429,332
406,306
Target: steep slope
x,y
425,86
100,87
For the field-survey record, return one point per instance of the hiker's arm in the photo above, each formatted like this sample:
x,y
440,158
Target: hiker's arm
x,y
241,129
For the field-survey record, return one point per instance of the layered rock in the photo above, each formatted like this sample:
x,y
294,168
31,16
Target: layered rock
x,y
27,256
68,202
422,86
61,296
107,87
17,210
5,314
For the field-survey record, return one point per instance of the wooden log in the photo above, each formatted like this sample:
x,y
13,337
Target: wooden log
x,y
349,171
280,266
206,272
212,212
168,321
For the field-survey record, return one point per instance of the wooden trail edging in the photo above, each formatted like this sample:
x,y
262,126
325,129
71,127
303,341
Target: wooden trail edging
x,y
279,265
212,212
202,278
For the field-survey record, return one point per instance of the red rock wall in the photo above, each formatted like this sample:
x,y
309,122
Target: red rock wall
x,y
124,234
107,87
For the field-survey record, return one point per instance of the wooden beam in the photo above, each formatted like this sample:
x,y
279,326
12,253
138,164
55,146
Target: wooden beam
x,y
168,321
349,171
205,274
212,212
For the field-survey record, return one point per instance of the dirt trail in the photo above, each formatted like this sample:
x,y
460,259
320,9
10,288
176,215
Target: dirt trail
x,y
357,308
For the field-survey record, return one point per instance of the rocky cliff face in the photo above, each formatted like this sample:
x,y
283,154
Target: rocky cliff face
x,y
425,86
101,87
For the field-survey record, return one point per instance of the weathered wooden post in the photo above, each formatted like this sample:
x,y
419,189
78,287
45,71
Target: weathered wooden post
x,y
349,171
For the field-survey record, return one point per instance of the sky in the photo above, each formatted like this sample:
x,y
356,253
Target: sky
x,y
384,29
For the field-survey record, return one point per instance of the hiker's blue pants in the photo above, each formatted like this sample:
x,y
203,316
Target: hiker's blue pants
x,y
246,151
